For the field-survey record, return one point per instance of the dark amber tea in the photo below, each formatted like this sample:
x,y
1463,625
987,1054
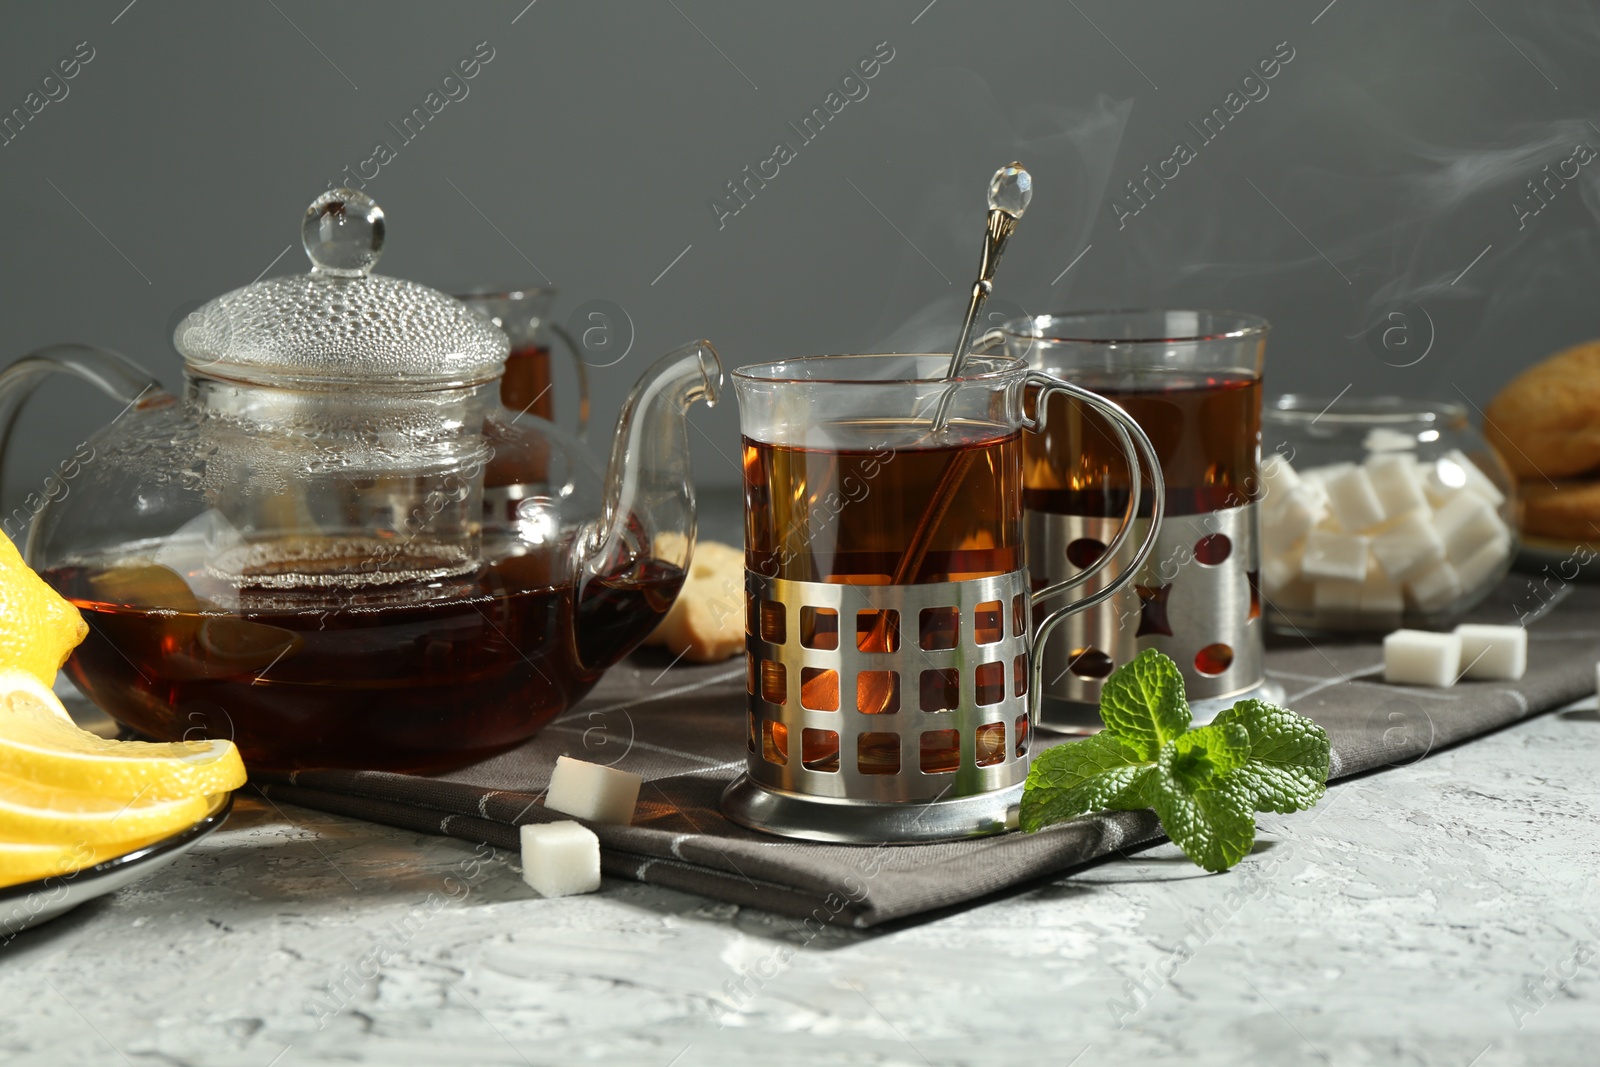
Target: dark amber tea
x,y
525,389
886,506
374,684
526,385
1206,429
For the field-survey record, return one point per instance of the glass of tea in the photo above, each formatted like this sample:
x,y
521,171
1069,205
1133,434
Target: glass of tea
x,y
1192,381
527,388
528,385
889,608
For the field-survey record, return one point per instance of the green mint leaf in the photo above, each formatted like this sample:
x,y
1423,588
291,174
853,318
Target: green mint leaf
x,y
1215,827
1213,823
1201,757
1143,703
1099,773
1205,784
1288,766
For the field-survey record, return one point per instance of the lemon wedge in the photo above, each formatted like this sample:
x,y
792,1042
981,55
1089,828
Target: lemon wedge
x,y
38,627
40,743
45,814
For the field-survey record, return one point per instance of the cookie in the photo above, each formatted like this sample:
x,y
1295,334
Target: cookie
x,y
706,622
1546,422
1568,512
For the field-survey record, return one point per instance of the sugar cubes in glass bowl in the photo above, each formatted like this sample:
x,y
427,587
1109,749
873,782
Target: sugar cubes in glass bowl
x,y
1378,513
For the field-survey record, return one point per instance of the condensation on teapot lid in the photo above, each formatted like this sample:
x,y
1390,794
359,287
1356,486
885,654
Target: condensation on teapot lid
x,y
340,323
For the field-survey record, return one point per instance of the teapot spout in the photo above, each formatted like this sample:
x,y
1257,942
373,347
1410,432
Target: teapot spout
x,y
649,515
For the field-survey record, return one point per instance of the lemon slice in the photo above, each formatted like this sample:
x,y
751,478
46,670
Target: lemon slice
x,y
40,743
29,861
38,627
44,814
27,689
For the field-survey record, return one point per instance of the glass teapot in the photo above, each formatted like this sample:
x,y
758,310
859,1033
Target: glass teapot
x,y
336,547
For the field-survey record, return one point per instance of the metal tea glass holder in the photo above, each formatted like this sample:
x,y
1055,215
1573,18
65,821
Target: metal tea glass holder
x,y
1198,597
922,733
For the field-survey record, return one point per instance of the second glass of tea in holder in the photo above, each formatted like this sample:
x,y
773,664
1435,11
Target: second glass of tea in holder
x,y
1192,380
889,621
528,386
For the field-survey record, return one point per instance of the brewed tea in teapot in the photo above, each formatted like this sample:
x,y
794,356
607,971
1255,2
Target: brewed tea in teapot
x,y
336,547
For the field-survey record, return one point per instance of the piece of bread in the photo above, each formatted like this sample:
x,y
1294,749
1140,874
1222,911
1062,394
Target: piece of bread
x,y
1546,422
706,622
1568,512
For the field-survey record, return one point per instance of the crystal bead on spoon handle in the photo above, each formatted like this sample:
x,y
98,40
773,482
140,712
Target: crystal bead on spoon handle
x,y
1010,190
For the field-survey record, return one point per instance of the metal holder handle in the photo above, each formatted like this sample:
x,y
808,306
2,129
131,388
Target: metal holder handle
x,y
1135,446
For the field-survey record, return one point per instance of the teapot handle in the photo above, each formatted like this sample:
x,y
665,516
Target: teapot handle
x,y
1135,446
112,373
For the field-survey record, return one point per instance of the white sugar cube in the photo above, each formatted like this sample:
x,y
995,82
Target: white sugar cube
x,y
1484,564
1294,597
1280,538
1336,596
590,791
1453,473
1417,657
1335,555
560,858
1442,481
1321,474
1353,501
1477,481
1408,545
1396,482
1375,603
1382,439
1277,571
1433,587
1381,599
1310,497
1329,524
1498,652
1465,524
1277,478
1296,511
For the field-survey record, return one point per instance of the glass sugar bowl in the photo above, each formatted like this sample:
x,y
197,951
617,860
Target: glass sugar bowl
x,y
1379,513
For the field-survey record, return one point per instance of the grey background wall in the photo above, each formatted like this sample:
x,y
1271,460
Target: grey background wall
x,y
1383,171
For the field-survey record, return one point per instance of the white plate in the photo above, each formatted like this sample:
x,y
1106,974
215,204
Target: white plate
x,y
31,903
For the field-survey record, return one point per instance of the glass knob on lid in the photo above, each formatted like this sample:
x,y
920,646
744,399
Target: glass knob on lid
x,y
343,233
339,323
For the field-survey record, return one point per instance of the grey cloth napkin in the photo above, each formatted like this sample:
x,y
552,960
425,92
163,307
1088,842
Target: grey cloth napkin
x,y
683,730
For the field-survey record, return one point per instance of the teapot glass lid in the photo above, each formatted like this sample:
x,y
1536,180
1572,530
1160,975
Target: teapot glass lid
x,y
340,323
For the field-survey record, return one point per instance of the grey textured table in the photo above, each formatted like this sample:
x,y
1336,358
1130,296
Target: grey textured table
x,y
1477,873
1446,913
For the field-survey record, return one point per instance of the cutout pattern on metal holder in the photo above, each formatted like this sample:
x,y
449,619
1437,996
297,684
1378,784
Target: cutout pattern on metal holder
x,y
1196,600
928,701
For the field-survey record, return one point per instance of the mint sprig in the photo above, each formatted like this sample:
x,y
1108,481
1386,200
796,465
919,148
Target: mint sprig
x,y
1205,784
